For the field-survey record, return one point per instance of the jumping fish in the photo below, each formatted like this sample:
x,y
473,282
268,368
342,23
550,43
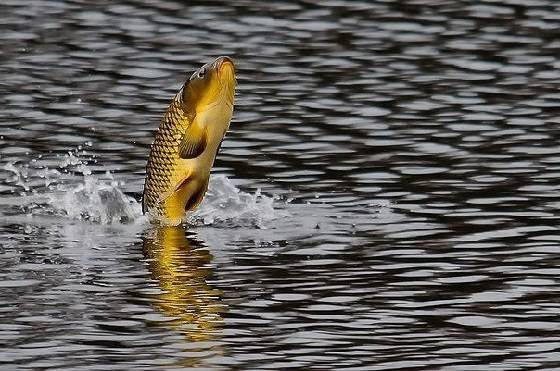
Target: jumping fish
x,y
187,142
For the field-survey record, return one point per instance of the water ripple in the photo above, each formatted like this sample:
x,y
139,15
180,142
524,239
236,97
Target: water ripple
x,y
386,196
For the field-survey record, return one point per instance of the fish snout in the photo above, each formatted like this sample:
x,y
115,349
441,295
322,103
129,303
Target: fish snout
x,y
224,64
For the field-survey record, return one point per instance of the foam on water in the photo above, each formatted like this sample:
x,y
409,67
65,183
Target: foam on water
x,y
68,187
226,205
97,199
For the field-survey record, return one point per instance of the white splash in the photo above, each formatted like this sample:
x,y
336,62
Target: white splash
x,y
67,187
225,205
96,199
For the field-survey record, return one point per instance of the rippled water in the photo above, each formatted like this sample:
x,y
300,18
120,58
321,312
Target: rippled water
x,y
387,196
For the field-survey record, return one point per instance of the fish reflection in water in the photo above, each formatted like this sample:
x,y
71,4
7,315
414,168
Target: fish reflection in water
x,y
181,267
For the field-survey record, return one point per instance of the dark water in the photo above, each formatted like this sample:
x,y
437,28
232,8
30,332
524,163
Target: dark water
x,y
407,156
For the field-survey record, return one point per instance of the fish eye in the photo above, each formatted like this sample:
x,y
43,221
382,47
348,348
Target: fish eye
x,y
201,73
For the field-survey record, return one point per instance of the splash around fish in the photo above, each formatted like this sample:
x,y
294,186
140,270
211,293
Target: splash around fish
x,y
177,171
69,186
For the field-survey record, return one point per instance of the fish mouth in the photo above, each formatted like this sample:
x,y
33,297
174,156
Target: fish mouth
x,y
225,68
225,65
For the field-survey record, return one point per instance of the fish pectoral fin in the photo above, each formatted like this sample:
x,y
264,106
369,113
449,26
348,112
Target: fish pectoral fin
x,y
193,142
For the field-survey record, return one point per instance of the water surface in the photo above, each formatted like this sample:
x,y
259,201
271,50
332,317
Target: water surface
x,y
386,198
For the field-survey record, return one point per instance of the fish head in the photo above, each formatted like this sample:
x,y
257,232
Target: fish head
x,y
211,85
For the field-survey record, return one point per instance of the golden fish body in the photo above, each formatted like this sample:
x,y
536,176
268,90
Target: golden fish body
x,y
187,141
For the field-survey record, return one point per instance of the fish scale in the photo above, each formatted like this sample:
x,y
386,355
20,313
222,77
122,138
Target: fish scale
x,y
164,155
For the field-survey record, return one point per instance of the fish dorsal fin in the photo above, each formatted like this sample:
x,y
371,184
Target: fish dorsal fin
x,y
193,142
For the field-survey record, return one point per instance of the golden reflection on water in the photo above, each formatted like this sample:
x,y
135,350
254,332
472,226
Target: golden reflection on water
x,y
181,267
